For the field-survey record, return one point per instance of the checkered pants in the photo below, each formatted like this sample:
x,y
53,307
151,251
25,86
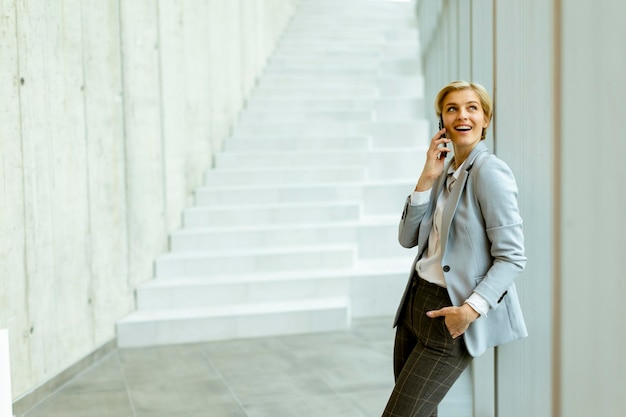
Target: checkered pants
x,y
427,360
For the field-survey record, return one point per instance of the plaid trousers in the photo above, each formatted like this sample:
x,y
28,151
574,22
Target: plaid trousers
x,y
427,360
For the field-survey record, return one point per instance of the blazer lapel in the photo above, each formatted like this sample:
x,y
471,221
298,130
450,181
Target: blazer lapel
x,y
455,194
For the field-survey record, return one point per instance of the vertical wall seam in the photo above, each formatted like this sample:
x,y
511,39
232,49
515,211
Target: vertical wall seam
x,y
494,72
23,165
125,141
556,207
89,249
159,48
471,40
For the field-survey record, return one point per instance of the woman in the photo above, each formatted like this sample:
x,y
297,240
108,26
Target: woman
x,y
464,219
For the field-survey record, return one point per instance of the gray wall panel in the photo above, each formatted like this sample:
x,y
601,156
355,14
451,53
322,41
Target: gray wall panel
x,y
524,63
592,230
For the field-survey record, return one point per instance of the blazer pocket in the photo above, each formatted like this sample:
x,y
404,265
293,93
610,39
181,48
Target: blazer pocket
x,y
478,280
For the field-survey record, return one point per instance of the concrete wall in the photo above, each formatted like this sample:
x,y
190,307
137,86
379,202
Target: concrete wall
x,y
109,111
557,78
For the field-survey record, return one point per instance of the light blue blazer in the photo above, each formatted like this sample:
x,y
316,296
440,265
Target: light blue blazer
x,y
482,244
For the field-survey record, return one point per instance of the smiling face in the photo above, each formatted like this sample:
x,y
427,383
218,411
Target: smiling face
x,y
464,118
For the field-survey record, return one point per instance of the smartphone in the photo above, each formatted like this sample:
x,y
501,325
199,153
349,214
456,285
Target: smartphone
x,y
443,154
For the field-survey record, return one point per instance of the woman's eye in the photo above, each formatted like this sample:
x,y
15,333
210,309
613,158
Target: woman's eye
x,y
473,108
451,109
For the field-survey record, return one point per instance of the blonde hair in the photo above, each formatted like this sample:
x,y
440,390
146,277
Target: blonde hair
x,y
481,92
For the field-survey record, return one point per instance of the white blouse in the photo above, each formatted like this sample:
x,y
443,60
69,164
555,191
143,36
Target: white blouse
x,y
429,266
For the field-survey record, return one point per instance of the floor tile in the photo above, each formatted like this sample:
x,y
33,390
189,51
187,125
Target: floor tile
x,y
338,374
318,406
68,403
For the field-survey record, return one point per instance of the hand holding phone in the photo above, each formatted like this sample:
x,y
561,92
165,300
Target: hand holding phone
x,y
442,154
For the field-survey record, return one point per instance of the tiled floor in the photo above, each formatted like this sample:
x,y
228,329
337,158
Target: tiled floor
x,y
339,374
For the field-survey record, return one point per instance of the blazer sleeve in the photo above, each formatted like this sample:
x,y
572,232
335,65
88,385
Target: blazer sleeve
x,y
496,193
408,230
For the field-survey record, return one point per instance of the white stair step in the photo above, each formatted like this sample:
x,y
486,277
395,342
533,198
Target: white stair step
x,y
264,236
384,68
395,50
403,28
415,106
320,91
305,116
327,86
407,86
337,87
390,134
180,293
330,86
246,215
288,44
311,104
288,158
330,83
366,281
384,110
163,327
380,163
323,129
327,129
398,109
378,198
331,62
374,287
376,238
270,194
296,176
324,72
377,285
381,134
257,260
357,8
314,59
296,143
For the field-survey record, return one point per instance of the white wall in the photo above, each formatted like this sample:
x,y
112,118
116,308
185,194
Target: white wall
x,y
591,228
110,112
558,82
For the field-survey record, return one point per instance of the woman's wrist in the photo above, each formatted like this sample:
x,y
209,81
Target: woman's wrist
x,y
470,313
424,184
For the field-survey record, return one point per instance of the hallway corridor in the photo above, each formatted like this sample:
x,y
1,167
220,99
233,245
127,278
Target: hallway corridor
x,y
337,374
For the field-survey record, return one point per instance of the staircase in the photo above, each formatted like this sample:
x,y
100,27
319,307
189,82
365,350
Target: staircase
x,y
294,229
